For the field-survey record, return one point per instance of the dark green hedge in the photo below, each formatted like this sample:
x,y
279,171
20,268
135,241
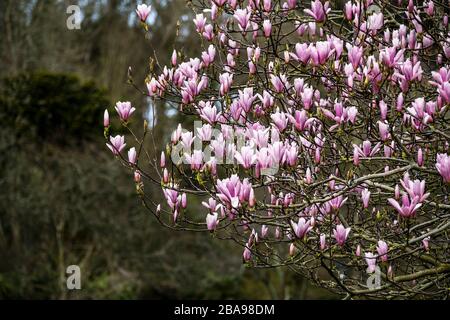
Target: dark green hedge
x,y
55,107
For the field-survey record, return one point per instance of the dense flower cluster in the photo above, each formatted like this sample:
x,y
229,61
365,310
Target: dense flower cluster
x,y
323,139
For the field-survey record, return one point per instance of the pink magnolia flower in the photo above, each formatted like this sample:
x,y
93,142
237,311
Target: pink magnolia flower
x,y
348,10
231,63
246,192
205,132
277,151
186,140
408,72
117,144
371,261
337,45
143,11
367,150
337,202
408,207
208,32
341,114
354,55
229,190
209,113
383,110
365,195
418,111
384,130
382,249
200,22
307,97
323,243
246,157
211,204
212,221
266,99
391,57
246,99
443,166
320,52
267,5
302,52
172,197
341,234
301,228
291,155
300,120
226,80
243,17
209,55
280,120
132,155
247,254
279,82
264,159
124,110
414,188
444,91
375,22
267,28
236,111
440,77
195,160
318,10
153,87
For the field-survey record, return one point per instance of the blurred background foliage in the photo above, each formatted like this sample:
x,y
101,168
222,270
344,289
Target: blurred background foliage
x,y
64,199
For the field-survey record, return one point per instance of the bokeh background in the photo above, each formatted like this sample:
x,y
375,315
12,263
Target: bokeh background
x,y
63,198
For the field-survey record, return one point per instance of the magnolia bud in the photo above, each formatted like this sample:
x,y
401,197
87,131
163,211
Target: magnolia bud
x,y
163,160
292,249
165,176
420,157
174,58
184,200
106,118
358,251
137,176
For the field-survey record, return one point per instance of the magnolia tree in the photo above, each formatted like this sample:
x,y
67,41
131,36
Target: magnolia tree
x,y
319,140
